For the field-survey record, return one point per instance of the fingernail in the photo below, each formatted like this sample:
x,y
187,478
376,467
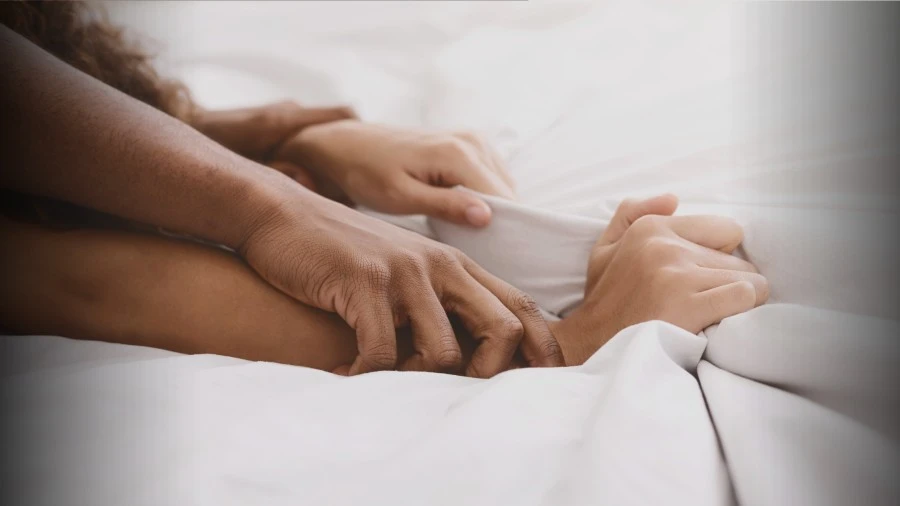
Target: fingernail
x,y
478,215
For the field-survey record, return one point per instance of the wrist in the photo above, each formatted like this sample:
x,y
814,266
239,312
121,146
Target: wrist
x,y
577,337
295,118
292,121
261,199
310,146
324,151
562,331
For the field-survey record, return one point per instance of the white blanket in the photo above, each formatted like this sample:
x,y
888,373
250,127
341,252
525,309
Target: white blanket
x,y
788,404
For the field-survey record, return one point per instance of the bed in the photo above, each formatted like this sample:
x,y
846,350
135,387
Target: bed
x,y
791,403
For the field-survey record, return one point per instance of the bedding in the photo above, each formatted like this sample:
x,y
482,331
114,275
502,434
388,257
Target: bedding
x,y
791,403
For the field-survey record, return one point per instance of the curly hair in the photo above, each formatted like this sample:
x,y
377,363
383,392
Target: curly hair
x,y
80,34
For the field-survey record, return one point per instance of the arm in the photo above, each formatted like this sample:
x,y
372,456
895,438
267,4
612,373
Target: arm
x,y
69,137
84,142
145,290
256,132
401,170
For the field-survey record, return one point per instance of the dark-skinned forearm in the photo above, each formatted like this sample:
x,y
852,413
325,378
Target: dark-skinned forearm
x,y
70,137
146,290
140,289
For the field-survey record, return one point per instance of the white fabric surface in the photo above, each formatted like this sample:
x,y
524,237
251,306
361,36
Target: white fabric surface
x,y
212,430
783,449
540,252
591,102
806,406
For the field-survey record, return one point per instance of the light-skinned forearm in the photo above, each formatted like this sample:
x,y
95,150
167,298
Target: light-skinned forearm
x,y
256,132
70,137
240,129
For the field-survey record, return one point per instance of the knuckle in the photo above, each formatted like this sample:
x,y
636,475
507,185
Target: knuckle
x,y
411,267
737,227
599,255
715,304
377,276
734,231
739,264
670,275
736,239
510,328
288,105
458,255
657,251
647,225
469,136
550,348
280,112
763,289
524,304
449,358
451,148
381,356
345,111
392,191
474,370
745,295
507,328
442,259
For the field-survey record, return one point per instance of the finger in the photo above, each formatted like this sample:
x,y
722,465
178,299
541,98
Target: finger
x,y
714,232
434,342
539,347
447,204
376,338
465,163
491,158
499,165
489,181
724,301
492,325
309,116
707,279
294,118
630,210
715,259
479,177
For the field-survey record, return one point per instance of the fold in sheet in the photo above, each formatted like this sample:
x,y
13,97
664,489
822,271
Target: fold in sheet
x,y
828,372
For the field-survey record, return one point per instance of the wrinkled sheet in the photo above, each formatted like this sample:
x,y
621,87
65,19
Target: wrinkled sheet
x,y
788,404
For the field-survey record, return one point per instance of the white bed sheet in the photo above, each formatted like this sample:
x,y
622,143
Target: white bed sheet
x,y
591,102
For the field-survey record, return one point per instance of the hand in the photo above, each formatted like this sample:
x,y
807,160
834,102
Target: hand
x,y
379,277
400,171
256,132
649,265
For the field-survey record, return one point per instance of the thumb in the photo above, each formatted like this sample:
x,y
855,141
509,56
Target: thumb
x,y
449,205
631,209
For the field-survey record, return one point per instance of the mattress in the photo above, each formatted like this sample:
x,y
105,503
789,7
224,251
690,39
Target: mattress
x,y
791,403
